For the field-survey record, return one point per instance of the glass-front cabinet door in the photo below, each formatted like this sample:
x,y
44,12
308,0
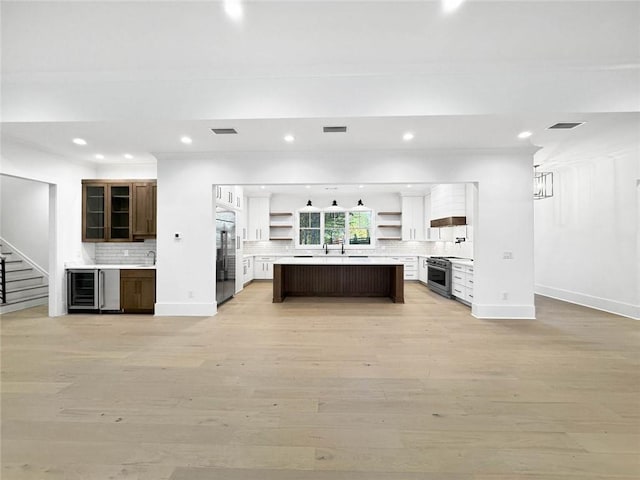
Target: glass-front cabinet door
x,y
94,202
120,212
106,211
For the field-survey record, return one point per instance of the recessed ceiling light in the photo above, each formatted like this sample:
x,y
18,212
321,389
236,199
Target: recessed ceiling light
x,y
233,9
407,136
262,187
99,156
450,5
307,186
79,141
524,134
289,138
360,186
128,156
186,140
409,186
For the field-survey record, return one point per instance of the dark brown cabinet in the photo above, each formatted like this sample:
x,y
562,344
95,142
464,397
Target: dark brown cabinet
x,y
137,290
144,211
118,210
94,212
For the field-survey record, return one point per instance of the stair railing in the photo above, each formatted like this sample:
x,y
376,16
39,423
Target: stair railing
x,y
3,280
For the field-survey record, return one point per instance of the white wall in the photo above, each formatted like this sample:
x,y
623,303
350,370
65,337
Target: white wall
x,y
132,171
65,208
586,234
25,218
185,274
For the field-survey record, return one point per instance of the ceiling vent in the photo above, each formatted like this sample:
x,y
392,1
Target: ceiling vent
x,y
565,126
334,129
224,131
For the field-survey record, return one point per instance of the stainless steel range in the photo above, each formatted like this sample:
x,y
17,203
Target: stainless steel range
x,y
439,275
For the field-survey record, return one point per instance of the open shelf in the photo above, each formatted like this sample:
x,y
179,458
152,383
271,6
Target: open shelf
x,y
389,225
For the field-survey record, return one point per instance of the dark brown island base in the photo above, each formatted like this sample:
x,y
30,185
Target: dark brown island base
x,y
338,277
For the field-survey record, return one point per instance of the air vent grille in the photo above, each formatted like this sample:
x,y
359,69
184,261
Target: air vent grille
x,y
224,131
565,125
334,129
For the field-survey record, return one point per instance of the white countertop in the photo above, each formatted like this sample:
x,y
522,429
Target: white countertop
x,y
329,260
109,267
462,261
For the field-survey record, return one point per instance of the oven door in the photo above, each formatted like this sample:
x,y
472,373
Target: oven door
x,y
83,290
439,279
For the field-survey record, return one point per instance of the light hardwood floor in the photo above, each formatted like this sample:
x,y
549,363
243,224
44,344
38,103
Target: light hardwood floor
x,y
322,389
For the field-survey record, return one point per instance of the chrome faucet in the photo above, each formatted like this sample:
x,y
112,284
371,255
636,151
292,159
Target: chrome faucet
x,y
153,253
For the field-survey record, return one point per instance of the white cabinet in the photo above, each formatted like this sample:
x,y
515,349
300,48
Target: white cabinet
x,y
229,195
258,219
247,270
423,270
410,267
263,268
462,282
413,218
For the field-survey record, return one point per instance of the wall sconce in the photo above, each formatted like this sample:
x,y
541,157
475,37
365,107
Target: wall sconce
x,y
542,184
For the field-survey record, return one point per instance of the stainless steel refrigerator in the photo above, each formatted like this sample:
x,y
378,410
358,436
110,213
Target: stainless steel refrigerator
x,y
225,254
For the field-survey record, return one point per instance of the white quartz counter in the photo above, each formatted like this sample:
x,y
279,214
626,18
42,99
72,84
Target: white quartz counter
x,y
71,266
329,260
462,261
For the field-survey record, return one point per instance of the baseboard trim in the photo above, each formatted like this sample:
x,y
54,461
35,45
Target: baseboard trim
x,y
185,309
598,303
504,312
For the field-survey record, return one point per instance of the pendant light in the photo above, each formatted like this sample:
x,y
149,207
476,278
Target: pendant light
x,y
334,207
360,207
309,207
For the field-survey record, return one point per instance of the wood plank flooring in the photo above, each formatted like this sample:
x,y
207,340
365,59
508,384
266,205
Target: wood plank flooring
x,y
322,389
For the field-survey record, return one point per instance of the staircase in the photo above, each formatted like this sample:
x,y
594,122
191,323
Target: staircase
x,y
24,285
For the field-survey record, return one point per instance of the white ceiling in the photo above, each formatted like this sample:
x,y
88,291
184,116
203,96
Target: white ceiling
x,y
133,77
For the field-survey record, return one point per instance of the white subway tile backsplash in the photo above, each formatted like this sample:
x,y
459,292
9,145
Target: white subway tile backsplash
x,y
383,247
114,253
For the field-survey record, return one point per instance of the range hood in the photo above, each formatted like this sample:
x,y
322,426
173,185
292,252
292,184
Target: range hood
x,y
448,205
448,222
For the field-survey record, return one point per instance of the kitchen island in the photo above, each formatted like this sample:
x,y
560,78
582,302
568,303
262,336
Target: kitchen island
x,y
338,277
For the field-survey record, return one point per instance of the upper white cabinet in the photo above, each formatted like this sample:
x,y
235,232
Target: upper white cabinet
x,y
229,195
258,219
413,218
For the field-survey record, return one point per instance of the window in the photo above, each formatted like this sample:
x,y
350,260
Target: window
x,y
309,228
360,228
334,227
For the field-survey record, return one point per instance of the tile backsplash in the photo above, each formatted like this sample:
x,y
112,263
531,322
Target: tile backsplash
x,y
383,247
125,253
